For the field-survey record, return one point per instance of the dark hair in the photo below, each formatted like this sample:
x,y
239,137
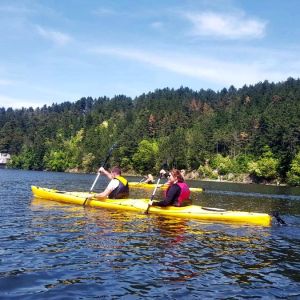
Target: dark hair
x,y
116,170
177,174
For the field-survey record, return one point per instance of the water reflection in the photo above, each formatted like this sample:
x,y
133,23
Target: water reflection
x,y
179,249
50,249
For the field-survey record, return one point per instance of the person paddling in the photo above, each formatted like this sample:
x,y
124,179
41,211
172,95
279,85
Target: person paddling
x,y
118,186
149,179
178,192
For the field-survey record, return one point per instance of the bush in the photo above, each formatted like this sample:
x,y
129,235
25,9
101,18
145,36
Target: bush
x,y
293,176
223,164
56,161
25,160
87,162
144,160
241,162
207,172
266,167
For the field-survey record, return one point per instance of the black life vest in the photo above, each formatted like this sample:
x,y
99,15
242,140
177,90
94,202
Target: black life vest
x,y
184,195
121,191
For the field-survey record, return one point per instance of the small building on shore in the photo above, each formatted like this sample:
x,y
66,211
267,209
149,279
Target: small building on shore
x,y
4,159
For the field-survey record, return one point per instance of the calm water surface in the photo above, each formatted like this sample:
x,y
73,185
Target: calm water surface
x,y
54,251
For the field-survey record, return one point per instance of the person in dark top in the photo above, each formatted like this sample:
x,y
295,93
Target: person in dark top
x,y
178,191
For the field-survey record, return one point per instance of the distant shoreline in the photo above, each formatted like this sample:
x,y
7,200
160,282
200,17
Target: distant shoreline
x,y
190,176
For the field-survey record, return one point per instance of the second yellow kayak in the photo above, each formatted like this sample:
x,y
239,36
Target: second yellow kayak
x,y
141,185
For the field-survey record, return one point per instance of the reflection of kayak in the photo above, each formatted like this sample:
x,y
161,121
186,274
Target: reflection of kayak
x,y
141,185
140,205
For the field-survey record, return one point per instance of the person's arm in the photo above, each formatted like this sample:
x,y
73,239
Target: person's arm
x,y
111,186
104,194
164,173
108,174
149,179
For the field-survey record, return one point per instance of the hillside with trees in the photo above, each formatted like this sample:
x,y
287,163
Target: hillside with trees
x,y
251,133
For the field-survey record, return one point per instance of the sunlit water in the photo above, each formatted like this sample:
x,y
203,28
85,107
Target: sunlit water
x,y
50,250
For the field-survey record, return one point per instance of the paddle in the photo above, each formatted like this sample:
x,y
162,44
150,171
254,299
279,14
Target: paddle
x,y
276,215
152,196
103,165
142,180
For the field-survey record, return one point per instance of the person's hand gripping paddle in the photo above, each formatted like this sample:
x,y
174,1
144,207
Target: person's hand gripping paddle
x,y
153,194
103,165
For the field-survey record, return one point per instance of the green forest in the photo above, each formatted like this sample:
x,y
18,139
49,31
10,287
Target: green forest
x,y
250,134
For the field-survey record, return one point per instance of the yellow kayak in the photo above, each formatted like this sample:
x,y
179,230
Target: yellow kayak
x,y
142,185
140,205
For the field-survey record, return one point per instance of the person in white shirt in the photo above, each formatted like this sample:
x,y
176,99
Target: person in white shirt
x,y
118,186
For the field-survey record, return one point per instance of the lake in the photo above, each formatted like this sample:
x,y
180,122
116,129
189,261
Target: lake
x,y
50,250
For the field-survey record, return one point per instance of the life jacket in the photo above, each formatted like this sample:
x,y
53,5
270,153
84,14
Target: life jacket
x,y
184,194
121,191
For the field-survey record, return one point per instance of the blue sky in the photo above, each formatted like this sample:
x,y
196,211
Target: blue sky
x,y
61,50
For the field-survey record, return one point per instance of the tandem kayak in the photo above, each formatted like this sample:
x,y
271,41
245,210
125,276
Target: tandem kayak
x,y
140,205
142,185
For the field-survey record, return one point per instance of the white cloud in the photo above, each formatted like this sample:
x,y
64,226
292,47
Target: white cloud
x,y
56,37
202,68
157,25
6,82
103,12
14,102
226,26
19,9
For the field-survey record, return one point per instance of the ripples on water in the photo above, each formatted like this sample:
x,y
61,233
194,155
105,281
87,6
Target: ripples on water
x,y
55,251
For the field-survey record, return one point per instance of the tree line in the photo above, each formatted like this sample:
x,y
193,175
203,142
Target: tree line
x,y
249,133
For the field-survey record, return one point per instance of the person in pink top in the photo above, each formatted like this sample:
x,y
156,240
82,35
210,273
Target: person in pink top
x,y
178,191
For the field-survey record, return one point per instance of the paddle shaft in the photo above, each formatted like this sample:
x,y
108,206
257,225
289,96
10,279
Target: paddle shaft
x,y
152,196
103,165
96,179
